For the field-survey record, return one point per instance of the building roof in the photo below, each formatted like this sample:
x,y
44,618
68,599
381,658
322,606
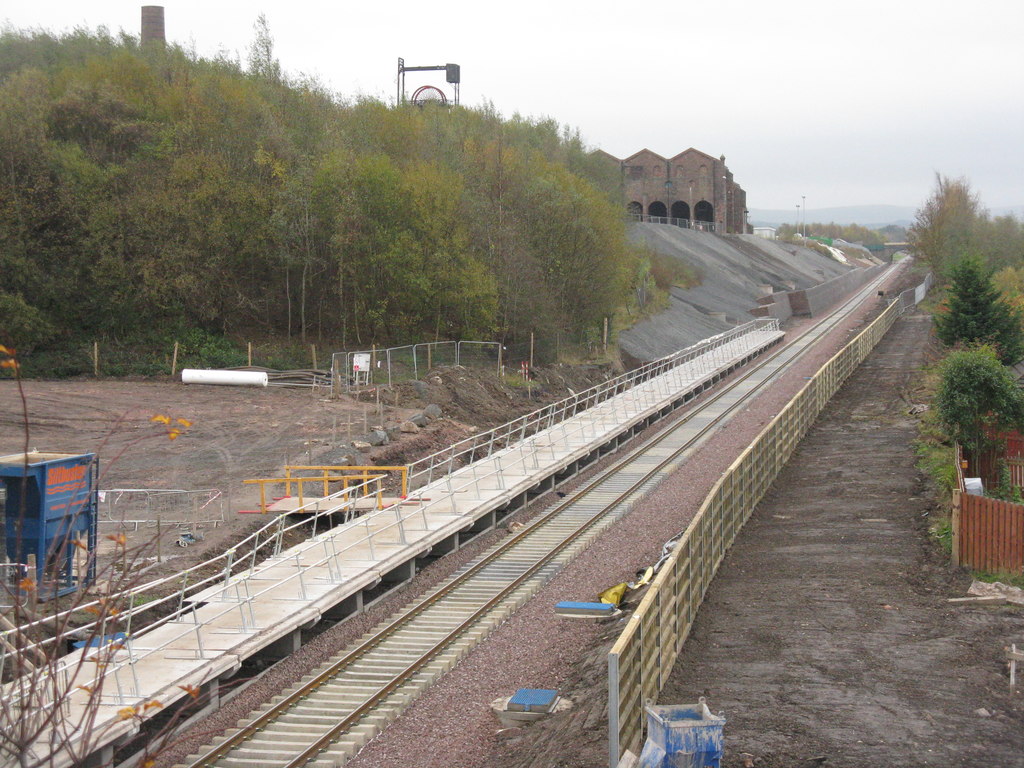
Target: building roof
x,y
691,150
645,151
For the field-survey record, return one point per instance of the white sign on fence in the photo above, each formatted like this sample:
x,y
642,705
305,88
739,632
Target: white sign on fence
x,y
360,362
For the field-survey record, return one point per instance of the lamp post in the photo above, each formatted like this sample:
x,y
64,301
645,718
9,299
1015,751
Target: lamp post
x,y
803,201
796,227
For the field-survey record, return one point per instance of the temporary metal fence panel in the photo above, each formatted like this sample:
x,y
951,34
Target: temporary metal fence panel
x,y
410,362
645,653
135,507
480,354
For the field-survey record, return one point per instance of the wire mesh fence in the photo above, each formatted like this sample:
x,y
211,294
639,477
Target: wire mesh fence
x,y
134,508
391,365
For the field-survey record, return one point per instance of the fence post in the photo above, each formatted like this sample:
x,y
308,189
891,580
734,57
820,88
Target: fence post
x,y
312,348
96,358
174,364
250,354
531,350
954,522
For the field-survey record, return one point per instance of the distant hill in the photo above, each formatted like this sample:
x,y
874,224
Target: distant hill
x,y
870,216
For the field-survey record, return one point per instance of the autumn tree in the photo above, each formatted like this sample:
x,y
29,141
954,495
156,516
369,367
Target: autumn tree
x,y
944,226
146,194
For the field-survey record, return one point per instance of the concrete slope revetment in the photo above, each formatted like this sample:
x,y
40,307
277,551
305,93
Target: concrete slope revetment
x,y
734,272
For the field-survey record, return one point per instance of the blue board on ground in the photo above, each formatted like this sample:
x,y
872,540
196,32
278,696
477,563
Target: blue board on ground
x,y
585,609
102,640
533,700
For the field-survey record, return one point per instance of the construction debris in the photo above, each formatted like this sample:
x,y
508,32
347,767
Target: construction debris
x,y
579,610
1014,595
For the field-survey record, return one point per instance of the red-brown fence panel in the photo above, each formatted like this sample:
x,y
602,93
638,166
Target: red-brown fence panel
x,y
991,534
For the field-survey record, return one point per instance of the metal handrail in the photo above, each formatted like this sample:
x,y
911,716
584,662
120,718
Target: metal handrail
x,y
643,383
703,226
427,469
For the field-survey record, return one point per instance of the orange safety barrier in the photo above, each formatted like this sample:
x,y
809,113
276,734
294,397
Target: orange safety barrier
x,y
365,472
299,481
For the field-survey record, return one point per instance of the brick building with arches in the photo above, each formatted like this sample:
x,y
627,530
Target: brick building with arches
x,y
691,189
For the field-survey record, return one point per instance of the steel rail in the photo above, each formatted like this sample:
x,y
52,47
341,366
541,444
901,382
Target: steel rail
x,y
275,711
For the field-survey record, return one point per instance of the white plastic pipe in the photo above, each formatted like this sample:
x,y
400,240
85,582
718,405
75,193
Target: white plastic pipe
x,y
232,378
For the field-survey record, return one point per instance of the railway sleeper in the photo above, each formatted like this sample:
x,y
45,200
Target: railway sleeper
x,y
263,757
414,639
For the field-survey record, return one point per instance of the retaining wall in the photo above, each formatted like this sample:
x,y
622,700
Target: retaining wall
x,y
812,301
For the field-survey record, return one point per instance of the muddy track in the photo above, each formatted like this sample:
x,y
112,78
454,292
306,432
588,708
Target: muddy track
x,y
826,633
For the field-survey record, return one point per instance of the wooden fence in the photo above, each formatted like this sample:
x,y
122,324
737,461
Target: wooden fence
x,y
643,656
986,465
988,534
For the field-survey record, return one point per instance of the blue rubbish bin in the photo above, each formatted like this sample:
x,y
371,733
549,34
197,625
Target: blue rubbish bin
x,y
682,736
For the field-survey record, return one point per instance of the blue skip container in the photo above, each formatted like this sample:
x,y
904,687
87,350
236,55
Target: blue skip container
x,y
682,736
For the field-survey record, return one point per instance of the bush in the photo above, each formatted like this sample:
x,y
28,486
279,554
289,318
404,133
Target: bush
x,y
977,394
200,349
24,326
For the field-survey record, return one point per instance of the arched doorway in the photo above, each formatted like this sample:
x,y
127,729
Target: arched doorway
x,y
680,210
635,208
657,208
704,211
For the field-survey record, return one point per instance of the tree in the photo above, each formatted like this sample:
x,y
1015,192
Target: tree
x,y
977,395
944,226
977,313
261,53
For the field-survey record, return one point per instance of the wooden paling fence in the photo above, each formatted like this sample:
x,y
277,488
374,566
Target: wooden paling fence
x,y
643,656
988,534
988,463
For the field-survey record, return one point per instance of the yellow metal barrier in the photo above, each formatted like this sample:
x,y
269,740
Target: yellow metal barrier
x,y
643,657
353,472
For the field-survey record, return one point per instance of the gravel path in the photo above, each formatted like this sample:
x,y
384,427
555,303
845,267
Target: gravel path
x,y
451,725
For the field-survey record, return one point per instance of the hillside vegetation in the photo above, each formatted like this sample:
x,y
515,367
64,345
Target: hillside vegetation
x,y
149,193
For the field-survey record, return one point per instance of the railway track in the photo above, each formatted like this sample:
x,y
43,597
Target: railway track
x,y
326,717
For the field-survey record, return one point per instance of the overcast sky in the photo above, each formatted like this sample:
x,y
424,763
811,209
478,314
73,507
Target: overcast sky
x,y
861,104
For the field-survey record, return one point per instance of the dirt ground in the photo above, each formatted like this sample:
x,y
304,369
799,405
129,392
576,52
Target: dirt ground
x,y
239,433
826,637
